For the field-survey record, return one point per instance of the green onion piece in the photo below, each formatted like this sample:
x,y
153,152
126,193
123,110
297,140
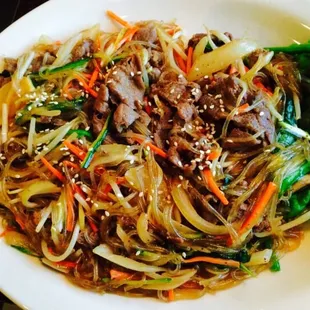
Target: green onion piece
x,y
81,133
275,266
246,270
291,49
295,130
75,65
24,250
103,134
105,280
148,282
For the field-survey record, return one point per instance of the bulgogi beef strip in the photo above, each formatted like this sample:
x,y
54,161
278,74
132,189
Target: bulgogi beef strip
x,y
178,93
219,99
101,109
83,49
146,33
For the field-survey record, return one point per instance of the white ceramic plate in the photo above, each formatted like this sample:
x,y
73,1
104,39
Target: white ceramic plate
x,y
270,22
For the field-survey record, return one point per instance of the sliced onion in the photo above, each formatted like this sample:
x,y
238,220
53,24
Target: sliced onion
x,y
5,122
186,208
174,283
260,258
221,58
31,135
298,221
38,188
105,252
45,214
142,229
54,258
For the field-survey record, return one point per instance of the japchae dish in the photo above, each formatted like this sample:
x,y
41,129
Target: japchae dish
x,y
142,163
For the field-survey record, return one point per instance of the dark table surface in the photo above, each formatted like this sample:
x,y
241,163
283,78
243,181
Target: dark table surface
x,y
13,10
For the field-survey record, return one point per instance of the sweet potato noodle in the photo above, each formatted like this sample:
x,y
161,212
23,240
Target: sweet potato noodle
x,y
143,164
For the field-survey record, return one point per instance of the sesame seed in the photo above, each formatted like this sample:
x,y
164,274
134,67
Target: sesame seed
x,y
175,143
172,91
107,213
230,141
138,253
261,113
167,141
150,197
199,178
205,106
184,255
17,176
76,176
212,107
200,167
206,77
223,110
148,148
221,101
218,96
181,177
139,72
180,163
114,72
179,185
141,194
132,74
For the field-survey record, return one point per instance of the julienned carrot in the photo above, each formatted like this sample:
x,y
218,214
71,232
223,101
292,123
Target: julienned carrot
x,y
93,78
87,75
243,107
85,86
232,70
213,260
66,91
258,208
55,172
92,225
213,186
171,295
70,209
75,150
260,85
68,163
20,222
128,36
214,154
118,181
180,62
154,148
118,19
67,264
189,59
119,275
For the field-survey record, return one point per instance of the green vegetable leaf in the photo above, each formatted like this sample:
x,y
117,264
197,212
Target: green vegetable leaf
x,y
299,202
24,250
275,263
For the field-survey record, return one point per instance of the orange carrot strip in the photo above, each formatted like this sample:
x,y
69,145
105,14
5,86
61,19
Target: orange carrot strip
x,y
262,87
243,107
213,260
154,148
128,36
171,295
85,86
93,78
119,275
232,70
70,209
180,62
108,188
75,150
20,222
67,264
214,155
258,208
87,75
92,225
213,186
189,59
118,19
54,171
65,91
70,164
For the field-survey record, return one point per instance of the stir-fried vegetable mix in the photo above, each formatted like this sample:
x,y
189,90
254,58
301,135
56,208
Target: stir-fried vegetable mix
x,y
144,164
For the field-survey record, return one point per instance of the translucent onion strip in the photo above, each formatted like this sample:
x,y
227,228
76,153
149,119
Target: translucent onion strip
x,y
44,216
105,252
186,208
54,258
298,221
5,122
31,135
